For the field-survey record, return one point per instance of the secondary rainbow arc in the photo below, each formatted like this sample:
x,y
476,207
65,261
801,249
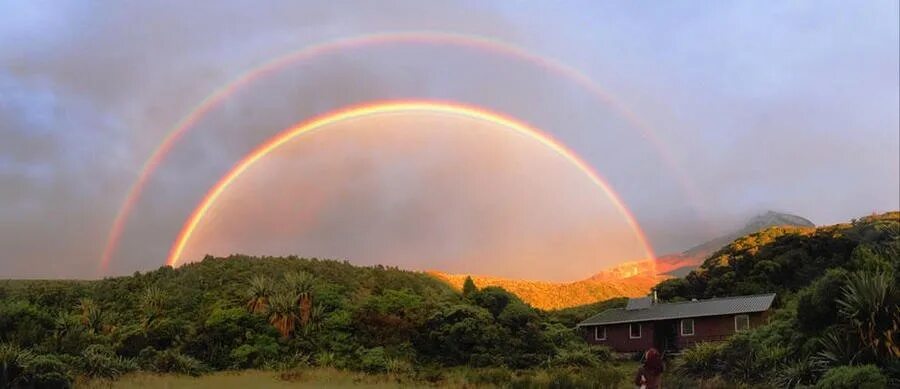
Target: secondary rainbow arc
x,y
388,107
424,37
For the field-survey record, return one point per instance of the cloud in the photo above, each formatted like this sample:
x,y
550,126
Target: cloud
x,y
791,107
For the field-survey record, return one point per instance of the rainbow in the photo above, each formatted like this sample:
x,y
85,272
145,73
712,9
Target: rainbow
x,y
491,46
388,107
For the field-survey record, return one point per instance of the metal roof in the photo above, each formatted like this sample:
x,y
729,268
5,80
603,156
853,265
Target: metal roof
x,y
638,303
665,311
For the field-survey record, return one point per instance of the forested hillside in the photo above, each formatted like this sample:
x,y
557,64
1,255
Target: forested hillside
x,y
837,322
558,295
272,313
838,288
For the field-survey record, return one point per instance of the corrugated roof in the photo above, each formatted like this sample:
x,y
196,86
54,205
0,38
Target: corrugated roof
x,y
638,303
664,311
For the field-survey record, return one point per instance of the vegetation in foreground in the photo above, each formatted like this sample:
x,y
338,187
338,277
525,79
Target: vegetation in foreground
x,y
837,327
839,321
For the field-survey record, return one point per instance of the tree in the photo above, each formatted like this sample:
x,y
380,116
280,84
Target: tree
x,y
469,287
870,303
91,315
152,301
283,312
493,298
13,363
816,308
260,290
301,284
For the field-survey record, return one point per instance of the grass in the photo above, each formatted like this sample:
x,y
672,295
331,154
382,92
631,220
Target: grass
x,y
309,377
333,378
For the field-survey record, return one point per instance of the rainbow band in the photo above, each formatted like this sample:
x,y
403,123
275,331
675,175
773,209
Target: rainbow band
x,y
355,112
492,46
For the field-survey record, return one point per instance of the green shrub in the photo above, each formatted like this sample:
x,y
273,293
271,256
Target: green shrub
x,y
580,357
602,353
703,360
326,359
13,361
171,361
47,371
747,360
800,373
259,350
98,361
398,366
374,360
853,377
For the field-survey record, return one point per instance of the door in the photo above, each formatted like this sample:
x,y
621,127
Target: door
x,y
665,335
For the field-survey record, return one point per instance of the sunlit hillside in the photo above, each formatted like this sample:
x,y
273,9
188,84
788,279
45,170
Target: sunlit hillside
x,y
555,295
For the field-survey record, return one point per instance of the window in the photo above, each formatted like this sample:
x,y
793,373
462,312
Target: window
x,y
634,331
600,333
741,323
687,327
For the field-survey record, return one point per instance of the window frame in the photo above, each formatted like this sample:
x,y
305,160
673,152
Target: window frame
x,y
597,331
736,329
631,333
693,330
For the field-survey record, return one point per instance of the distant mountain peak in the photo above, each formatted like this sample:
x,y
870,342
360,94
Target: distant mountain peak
x,y
773,218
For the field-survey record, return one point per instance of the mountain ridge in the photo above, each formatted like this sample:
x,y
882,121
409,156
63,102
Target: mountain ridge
x,y
628,279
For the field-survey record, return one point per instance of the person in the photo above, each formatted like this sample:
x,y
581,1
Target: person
x,y
649,375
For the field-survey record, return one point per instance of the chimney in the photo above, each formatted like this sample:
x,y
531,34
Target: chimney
x,y
655,298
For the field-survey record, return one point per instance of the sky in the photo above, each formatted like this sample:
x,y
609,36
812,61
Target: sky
x,y
708,113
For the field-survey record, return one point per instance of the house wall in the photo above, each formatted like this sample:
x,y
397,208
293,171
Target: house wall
x,y
715,328
617,337
706,329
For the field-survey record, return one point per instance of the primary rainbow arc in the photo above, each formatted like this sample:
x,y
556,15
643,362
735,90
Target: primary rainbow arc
x,y
320,122
492,46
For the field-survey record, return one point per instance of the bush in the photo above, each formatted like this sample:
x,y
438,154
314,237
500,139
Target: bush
x,y
171,361
602,353
746,359
398,366
374,360
800,373
47,371
13,361
98,361
326,359
853,377
702,361
580,357
260,350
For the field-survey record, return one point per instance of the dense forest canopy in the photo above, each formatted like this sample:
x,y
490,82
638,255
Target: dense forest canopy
x,y
838,318
839,291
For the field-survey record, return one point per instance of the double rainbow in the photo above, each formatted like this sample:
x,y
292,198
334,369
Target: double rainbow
x,y
428,38
389,107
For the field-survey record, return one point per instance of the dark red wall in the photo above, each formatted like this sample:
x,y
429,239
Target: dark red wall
x,y
706,329
715,328
618,340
